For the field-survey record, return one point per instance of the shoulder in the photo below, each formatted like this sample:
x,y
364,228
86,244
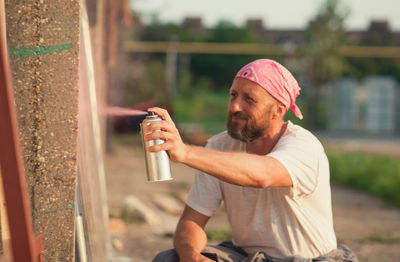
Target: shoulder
x,y
223,141
218,137
297,135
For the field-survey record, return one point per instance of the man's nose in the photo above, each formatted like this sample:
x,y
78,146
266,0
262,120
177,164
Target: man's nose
x,y
235,106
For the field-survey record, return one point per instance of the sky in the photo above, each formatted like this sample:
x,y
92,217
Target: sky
x,y
279,14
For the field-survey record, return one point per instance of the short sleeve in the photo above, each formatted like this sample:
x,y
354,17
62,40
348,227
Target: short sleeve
x,y
300,156
205,195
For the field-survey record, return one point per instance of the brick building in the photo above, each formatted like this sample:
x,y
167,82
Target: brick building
x,y
377,31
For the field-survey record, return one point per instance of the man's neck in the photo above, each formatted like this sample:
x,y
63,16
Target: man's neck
x,y
266,143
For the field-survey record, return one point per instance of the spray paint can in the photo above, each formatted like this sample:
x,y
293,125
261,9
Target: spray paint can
x,y
157,163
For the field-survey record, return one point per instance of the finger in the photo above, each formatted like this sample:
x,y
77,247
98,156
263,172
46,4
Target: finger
x,y
159,125
161,113
161,147
158,135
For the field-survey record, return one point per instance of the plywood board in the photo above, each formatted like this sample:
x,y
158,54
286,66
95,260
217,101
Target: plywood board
x,y
90,155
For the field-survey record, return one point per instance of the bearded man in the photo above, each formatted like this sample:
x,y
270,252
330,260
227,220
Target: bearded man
x,y
272,175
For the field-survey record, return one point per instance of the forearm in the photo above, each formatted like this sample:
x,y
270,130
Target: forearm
x,y
233,167
237,168
189,240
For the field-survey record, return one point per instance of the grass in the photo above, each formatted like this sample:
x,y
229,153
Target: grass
x,y
375,174
383,239
132,216
204,107
219,235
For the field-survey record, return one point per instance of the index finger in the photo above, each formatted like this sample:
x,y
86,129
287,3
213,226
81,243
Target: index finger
x,y
161,113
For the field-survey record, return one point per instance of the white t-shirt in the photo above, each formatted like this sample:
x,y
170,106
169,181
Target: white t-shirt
x,y
281,221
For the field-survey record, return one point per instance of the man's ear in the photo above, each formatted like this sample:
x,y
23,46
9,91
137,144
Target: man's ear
x,y
280,111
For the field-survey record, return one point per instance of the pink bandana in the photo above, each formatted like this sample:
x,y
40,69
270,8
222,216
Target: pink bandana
x,y
275,79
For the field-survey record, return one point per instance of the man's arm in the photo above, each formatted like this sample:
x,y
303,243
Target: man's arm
x,y
238,168
190,238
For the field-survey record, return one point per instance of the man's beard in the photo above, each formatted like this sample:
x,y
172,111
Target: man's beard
x,y
249,132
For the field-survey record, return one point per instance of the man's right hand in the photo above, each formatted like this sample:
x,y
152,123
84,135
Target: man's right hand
x,y
177,150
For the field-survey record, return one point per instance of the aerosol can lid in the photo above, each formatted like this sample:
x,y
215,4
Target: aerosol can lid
x,y
151,115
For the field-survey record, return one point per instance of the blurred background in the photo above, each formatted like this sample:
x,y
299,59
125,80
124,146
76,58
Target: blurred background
x,y
183,55
342,53
83,153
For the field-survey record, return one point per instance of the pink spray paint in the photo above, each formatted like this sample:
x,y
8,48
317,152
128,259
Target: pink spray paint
x,y
114,111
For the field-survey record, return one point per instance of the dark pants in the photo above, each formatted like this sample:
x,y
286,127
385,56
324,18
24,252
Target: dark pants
x,y
227,252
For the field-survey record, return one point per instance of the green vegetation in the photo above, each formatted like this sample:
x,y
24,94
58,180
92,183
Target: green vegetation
x,y
202,107
219,235
323,38
383,238
132,216
210,108
315,60
221,69
205,107
375,174
142,83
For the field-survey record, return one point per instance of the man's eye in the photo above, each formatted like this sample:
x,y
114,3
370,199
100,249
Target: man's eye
x,y
250,99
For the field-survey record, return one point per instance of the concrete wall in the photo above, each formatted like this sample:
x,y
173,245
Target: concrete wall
x,y
43,41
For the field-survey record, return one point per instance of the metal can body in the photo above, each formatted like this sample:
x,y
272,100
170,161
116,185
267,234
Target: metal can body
x,y
157,163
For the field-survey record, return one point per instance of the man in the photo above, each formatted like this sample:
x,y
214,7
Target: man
x,y
272,175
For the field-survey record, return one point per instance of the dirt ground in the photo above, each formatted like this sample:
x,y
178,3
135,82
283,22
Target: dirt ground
x,y
370,226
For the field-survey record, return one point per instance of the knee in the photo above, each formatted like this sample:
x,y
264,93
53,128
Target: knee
x,y
167,256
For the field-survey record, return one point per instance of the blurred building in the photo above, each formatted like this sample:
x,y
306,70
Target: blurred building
x,y
378,30
343,102
281,36
380,106
367,106
195,24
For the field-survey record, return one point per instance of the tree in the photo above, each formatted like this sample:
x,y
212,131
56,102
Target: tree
x,y
221,69
324,36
